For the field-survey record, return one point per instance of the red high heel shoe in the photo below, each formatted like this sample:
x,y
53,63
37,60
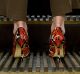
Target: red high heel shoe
x,y
57,43
20,43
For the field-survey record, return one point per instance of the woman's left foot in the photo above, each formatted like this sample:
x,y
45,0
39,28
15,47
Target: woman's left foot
x,y
21,39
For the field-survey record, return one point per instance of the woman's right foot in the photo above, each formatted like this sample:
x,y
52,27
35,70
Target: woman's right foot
x,y
56,43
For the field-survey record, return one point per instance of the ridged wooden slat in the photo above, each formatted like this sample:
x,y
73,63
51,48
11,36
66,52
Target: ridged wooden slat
x,y
53,65
68,63
49,64
74,62
34,64
8,63
38,62
1,55
15,65
45,62
41,64
61,66
77,57
22,64
30,63
3,60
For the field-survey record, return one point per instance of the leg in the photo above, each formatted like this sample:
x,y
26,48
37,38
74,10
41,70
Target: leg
x,y
17,10
21,48
59,9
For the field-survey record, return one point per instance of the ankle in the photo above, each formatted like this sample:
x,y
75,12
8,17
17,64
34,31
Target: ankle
x,y
56,26
19,24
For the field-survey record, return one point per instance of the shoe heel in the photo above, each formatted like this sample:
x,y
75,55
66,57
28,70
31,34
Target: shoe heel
x,y
17,51
62,51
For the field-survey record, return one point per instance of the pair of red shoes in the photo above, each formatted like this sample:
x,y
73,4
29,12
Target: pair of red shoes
x,y
20,43
21,47
57,43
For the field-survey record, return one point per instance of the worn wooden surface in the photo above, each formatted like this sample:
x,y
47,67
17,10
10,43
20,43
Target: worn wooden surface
x,y
39,63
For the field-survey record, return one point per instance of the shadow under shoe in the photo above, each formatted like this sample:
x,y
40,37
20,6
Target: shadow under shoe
x,y
57,43
20,43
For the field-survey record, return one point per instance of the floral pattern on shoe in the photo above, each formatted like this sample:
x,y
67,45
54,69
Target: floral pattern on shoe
x,y
21,37
56,40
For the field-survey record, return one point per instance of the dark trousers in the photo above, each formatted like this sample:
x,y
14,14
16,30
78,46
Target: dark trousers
x,y
17,9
